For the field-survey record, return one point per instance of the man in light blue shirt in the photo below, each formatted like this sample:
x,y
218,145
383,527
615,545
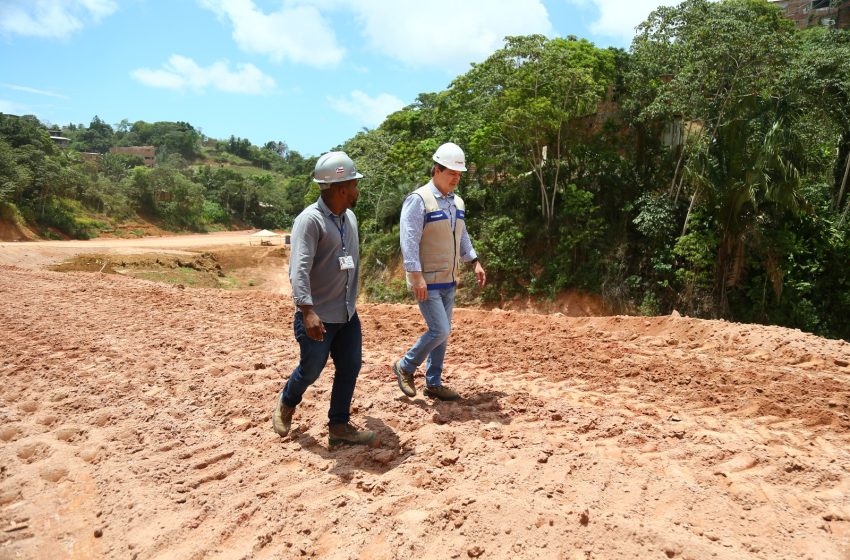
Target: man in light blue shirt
x,y
434,242
323,269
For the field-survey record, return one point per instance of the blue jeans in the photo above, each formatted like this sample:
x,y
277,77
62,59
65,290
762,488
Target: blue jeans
x,y
344,343
437,311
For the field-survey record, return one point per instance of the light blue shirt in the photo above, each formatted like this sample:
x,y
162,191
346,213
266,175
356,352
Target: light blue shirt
x,y
413,222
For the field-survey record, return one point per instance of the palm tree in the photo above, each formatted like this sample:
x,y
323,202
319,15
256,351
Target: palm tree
x,y
747,175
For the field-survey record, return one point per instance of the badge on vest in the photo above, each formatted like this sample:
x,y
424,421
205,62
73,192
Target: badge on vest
x,y
346,262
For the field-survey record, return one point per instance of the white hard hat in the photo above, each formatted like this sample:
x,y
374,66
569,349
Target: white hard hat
x,y
334,167
451,156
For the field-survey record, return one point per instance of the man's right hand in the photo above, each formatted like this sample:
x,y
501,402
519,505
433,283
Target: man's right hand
x,y
418,286
313,324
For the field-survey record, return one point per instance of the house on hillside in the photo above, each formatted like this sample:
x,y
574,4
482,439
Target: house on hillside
x,y
60,141
147,153
810,13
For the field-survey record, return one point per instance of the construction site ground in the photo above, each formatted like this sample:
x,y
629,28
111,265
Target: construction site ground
x,y
135,424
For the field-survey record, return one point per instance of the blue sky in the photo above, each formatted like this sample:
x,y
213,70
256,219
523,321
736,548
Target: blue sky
x,y
309,73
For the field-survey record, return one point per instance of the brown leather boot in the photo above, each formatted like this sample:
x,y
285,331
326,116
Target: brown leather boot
x,y
346,433
282,416
442,392
405,381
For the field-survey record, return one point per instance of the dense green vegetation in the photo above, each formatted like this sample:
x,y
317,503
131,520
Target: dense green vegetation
x,y
704,170
197,182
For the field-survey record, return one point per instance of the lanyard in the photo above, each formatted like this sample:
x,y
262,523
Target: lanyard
x,y
341,228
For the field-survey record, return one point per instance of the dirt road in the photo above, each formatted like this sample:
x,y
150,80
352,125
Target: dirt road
x,y
135,423
38,254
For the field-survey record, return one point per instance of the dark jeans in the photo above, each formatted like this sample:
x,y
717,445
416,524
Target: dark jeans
x,y
344,343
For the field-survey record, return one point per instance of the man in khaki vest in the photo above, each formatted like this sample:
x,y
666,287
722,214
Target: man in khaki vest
x,y
434,242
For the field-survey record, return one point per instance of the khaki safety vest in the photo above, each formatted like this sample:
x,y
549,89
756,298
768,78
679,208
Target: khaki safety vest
x,y
439,248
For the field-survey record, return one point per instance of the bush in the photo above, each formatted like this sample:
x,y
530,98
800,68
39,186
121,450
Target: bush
x,y
695,254
213,213
67,216
10,213
380,257
312,194
502,249
650,306
386,289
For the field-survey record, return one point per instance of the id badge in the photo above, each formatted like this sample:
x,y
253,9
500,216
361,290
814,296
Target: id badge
x,y
346,262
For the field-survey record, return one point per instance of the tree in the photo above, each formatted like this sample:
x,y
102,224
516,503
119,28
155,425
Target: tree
x,y
717,68
122,131
239,147
10,174
98,137
379,156
167,193
278,147
530,94
117,166
26,130
169,138
821,72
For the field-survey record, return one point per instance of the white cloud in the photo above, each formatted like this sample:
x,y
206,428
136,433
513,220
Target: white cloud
x,y
619,18
181,73
27,89
446,34
439,34
54,19
369,111
296,32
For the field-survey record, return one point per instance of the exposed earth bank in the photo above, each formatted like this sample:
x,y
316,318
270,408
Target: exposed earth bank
x,y
135,423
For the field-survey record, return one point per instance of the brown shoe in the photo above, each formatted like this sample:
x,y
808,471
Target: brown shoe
x,y
282,416
346,433
405,381
441,392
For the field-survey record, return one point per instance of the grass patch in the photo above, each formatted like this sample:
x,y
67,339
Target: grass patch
x,y
180,275
228,282
386,290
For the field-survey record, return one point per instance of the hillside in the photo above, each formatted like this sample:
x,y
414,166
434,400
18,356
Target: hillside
x,y
135,423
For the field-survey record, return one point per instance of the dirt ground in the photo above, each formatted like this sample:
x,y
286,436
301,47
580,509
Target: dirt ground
x,y
135,424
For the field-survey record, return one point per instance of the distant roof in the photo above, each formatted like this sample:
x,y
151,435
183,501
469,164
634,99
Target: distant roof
x,y
265,233
59,138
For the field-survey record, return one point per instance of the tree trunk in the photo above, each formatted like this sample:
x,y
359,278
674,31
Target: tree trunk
x,y
688,215
724,256
843,186
678,164
679,161
537,170
736,265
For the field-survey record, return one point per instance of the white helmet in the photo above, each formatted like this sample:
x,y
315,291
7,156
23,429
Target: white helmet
x,y
451,156
334,167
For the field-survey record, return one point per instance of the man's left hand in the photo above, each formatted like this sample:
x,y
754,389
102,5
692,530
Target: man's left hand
x,y
480,274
